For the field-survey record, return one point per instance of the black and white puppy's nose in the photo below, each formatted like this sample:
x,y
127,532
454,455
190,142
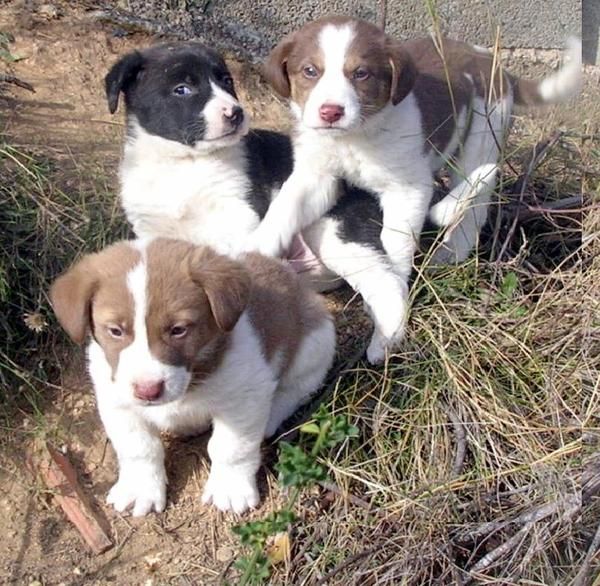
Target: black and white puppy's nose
x,y
235,115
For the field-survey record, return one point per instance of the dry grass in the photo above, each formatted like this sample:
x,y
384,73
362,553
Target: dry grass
x,y
50,211
471,461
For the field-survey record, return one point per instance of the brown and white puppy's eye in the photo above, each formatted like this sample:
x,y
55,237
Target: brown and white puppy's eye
x,y
115,331
179,331
360,74
310,72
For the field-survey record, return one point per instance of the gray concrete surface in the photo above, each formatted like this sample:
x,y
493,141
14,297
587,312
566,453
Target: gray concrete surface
x,y
591,31
252,27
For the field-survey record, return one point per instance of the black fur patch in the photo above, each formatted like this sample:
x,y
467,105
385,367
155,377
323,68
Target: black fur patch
x,y
270,162
360,217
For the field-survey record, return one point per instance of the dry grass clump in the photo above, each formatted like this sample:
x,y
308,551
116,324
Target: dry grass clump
x,y
479,458
50,211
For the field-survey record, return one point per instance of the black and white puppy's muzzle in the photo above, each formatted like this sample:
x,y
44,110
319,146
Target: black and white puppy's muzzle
x,y
182,92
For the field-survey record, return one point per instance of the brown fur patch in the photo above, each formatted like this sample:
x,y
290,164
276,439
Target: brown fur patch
x,y
281,309
93,294
191,287
442,89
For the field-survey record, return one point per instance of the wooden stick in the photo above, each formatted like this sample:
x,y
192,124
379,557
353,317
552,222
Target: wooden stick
x,y
60,477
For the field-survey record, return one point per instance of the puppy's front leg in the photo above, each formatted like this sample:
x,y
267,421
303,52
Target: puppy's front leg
x,y
234,450
142,477
303,199
404,212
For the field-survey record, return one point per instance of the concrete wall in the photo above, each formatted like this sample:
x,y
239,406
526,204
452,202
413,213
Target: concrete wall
x,y
252,27
591,31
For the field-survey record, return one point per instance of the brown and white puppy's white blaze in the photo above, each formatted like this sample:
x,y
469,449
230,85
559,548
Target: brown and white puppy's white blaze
x,y
181,337
386,116
338,71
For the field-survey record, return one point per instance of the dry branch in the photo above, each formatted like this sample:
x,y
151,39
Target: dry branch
x,y
60,477
5,78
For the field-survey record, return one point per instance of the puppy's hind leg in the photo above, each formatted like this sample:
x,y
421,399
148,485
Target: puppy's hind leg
x,y
305,375
463,212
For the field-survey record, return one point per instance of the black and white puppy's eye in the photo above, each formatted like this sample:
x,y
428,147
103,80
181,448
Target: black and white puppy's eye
x,y
115,331
178,331
227,80
310,71
182,90
360,74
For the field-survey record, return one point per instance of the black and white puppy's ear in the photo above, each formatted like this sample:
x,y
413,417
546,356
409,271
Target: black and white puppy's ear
x,y
122,73
275,67
404,72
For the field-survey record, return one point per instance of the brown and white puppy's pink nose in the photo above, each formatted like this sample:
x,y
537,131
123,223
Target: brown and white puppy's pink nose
x,y
148,390
331,113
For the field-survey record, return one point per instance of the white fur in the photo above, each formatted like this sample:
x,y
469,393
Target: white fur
x,y
567,81
463,212
170,190
244,398
369,271
333,87
221,104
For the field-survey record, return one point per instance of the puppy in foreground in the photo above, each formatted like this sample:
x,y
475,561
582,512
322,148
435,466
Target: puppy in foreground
x,y
386,116
182,337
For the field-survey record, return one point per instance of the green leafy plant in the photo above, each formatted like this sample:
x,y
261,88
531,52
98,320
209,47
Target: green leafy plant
x,y
297,469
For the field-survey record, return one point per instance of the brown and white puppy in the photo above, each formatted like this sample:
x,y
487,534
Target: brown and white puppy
x,y
182,337
385,116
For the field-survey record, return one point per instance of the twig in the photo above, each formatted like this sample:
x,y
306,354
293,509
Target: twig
x,y
572,504
5,78
581,577
567,205
488,559
537,155
348,562
461,442
352,498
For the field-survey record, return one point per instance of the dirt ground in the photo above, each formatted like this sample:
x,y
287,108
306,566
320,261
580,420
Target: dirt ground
x,y
66,56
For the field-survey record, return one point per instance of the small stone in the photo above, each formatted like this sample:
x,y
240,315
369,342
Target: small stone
x,y
48,11
224,554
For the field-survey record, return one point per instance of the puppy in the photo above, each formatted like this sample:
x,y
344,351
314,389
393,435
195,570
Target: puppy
x,y
182,337
386,116
192,170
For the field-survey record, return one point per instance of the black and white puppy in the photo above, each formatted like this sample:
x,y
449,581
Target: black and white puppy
x,y
193,170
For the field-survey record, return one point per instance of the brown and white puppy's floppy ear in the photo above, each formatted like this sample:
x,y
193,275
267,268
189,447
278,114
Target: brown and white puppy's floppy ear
x,y
225,282
71,295
121,74
404,72
275,67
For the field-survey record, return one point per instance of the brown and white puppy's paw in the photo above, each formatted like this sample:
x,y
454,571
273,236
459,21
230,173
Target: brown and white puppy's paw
x,y
144,493
181,335
231,491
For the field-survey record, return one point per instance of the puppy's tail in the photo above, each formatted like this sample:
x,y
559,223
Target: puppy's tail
x,y
558,87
